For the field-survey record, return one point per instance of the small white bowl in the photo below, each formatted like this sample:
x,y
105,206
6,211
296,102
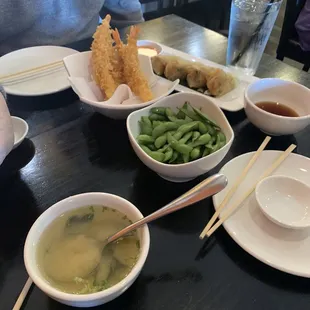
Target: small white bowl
x,y
191,170
152,44
288,93
285,201
20,128
74,202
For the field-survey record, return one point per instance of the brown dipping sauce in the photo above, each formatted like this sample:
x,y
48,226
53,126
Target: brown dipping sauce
x,y
277,108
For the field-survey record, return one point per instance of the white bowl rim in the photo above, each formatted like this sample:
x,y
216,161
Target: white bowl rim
x,y
160,48
55,293
194,161
26,129
276,220
268,113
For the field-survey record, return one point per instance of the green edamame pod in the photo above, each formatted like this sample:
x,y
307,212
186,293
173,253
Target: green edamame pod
x,y
185,128
204,117
202,128
181,114
177,135
179,121
170,137
212,131
173,157
203,139
181,148
211,142
206,152
196,135
216,146
164,148
157,117
186,137
145,139
169,112
179,159
159,111
190,114
146,149
152,147
160,141
195,153
145,129
146,120
162,128
157,156
168,154
185,158
156,123
221,144
222,137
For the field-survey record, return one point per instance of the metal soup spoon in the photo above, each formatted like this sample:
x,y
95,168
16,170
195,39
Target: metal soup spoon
x,y
206,188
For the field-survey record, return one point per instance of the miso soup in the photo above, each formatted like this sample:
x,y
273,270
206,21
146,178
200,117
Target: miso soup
x,y
71,253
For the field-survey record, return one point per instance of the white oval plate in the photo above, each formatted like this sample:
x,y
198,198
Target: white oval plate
x,y
39,84
284,249
233,101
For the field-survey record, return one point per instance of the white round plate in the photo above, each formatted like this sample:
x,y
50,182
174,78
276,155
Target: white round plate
x,y
39,84
284,249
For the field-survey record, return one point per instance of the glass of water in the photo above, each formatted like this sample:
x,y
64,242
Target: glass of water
x,y
251,22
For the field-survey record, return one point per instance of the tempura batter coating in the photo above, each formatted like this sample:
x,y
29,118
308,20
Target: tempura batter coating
x,y
105,60
133,76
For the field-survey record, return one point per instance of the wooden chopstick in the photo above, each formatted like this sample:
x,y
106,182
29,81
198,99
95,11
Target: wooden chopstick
x,y
3,78
231,210
234,187
22,295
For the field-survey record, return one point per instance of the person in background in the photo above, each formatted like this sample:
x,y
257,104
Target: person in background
x,y
302,26
25,23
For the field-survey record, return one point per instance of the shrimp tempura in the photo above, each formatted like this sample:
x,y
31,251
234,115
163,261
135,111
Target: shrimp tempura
x,y
133,76
106,70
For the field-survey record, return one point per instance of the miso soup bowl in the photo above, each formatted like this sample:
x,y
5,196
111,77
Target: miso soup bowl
x,y
191,170
71,203
291,94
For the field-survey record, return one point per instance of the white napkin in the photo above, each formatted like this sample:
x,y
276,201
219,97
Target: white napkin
x,y
80,77
6,130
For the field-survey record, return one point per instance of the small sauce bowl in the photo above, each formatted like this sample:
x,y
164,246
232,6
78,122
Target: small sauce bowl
x,y
20,128
290,94
149,48
285,201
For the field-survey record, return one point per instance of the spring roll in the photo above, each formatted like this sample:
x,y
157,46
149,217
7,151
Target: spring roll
x,y
220,83
159,63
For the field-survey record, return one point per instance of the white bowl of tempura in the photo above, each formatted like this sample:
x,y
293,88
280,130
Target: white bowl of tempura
x,y
113,78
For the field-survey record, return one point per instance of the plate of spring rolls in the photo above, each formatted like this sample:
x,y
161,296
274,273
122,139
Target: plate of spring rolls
x,y
203,76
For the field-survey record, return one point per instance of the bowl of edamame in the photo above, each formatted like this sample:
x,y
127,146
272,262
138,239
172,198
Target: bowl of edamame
x,y
181,136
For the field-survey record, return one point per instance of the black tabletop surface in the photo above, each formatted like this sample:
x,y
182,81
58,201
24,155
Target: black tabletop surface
x,y
70,150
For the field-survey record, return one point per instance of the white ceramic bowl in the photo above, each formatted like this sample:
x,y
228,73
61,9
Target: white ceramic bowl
x,y
191,170
70,203
20,128
285,201
152,44
123,101
288,93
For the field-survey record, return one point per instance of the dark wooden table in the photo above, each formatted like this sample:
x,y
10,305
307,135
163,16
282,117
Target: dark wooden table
x,y
74,150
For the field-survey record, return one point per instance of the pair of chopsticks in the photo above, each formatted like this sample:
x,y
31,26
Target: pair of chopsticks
x,y
209,229
32,72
